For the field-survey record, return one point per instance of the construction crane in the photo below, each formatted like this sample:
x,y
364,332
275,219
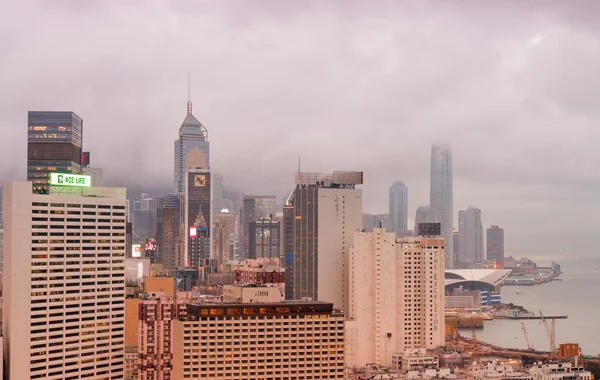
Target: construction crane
x,y
551,335
529,346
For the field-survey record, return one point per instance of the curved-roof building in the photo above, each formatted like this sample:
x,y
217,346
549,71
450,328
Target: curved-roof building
x,y
475,279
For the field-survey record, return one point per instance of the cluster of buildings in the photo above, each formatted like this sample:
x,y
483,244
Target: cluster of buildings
x,y
465,243
194,285
96,286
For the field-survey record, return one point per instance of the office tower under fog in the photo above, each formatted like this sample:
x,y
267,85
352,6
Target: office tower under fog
x,y
198,216
192,149
264,237
321,215
223,230
396,296
424,214
398,204
441,196
370,221
255,207
64,283
168,228
54,142
144,218
495,245
470,235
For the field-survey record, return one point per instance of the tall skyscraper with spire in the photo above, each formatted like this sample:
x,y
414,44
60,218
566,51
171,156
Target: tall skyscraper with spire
x,y
192,150
441,195
192,180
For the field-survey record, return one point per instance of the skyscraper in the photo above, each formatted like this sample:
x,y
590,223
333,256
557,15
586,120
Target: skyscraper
x,y
264,238
192,149
470,235
64,298
398,205
327,210
224,228
441,196
54,142
255,208
198,216
495,245
424,214
168,217
393,284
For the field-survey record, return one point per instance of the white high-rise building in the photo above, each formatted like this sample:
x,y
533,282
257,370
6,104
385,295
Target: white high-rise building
x,y
64,283
396,296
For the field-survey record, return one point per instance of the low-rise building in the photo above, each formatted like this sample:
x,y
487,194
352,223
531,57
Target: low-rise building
x,y
416,359
495,371
274,341
251,294
559,371
265,271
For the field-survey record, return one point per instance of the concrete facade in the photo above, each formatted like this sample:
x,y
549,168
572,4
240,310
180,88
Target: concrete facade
x,y
396,296
287,340
250,294
64,283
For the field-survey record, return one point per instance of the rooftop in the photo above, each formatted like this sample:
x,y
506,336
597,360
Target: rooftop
x,y
494,277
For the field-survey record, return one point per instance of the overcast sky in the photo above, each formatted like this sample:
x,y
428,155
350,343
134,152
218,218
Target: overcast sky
x,y
346,85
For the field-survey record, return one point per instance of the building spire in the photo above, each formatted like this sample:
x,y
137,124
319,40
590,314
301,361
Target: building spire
x,y
189,103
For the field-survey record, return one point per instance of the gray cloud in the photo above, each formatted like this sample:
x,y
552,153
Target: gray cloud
x,y
345,85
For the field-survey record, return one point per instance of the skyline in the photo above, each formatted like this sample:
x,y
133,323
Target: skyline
x,y
505,109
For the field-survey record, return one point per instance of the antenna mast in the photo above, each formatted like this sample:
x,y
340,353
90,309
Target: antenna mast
x,y
189,103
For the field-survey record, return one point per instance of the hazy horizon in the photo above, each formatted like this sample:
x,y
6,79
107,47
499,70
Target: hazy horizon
x,y
345,85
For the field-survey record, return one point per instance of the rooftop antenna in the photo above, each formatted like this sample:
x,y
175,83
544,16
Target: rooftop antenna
x,y
298,164
189,103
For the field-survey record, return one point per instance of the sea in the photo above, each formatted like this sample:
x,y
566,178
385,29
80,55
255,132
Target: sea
x,y
577,296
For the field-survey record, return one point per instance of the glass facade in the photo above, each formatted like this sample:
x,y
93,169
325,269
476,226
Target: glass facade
x,y
306,252
192,150
264,239
398,205
54,142
441,197
255,207
198,216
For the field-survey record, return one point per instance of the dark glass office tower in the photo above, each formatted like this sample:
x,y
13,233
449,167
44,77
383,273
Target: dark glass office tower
x,y
495,245
54,141
198,216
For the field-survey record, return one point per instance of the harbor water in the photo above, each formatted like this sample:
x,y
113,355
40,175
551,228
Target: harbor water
x,y
577,295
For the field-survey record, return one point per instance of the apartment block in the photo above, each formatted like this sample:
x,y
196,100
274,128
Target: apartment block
x,y
284,340
156,314
64,283
396,297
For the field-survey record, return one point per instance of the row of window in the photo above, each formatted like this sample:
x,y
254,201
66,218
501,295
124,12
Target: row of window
x,y
76,212
76,220
74,205
74,227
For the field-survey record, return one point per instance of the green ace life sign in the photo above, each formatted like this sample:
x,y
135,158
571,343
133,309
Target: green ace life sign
x,y
63,179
